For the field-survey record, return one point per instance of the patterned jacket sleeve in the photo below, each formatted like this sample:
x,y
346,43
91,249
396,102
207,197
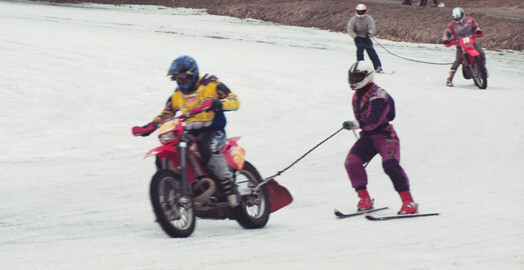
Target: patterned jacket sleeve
x,y
475,26
448,34
167,113
230,101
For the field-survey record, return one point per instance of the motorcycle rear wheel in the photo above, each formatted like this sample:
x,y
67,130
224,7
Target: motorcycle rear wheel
x,y
174,213
253,210
479,74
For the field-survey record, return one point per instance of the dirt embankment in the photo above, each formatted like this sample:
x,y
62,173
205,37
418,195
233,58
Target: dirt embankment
x,y
501,20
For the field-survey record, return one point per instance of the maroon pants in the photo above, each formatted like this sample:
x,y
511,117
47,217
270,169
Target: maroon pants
x,y
365,149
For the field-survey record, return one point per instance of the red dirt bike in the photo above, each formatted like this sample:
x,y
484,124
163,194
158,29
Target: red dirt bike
x,y
472,66
183,188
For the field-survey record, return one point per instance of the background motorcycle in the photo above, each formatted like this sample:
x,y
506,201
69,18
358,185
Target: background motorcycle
x,y
183,188
472,66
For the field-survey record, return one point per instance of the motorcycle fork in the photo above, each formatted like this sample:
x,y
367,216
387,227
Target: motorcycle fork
x,y
467,62
183,163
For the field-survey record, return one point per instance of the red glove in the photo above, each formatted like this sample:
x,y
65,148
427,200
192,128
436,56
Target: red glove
x,y
144,130
208,104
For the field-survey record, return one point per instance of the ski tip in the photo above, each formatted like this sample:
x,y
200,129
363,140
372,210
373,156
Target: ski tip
x,y
377,218
370,217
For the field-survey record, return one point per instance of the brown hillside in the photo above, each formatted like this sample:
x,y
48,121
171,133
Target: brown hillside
x,y
501,20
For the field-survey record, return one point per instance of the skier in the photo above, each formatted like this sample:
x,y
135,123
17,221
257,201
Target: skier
x,y
361,28
206,98
461,26
374,108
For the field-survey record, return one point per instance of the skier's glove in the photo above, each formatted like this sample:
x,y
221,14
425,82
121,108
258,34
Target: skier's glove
x,y
144,130
446,42
350,125
478,32
368,35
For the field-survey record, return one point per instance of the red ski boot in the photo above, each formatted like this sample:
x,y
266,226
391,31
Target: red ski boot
x,y
365,202
408,205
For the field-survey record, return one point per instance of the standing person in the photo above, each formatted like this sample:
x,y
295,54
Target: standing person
x,y
361,28
407,2
461,26
206,99
374,108
425,3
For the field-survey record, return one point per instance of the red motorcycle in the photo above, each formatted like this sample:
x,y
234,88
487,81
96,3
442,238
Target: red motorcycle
x,y
183,188
472,66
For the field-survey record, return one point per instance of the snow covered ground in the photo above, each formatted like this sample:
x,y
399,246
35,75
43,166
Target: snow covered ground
x,y
74,184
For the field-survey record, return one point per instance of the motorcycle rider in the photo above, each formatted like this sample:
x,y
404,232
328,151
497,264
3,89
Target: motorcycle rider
x,y
461,26
205,98
374,108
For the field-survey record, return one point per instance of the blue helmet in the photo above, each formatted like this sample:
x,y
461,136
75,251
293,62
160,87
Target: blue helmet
x,y
184,65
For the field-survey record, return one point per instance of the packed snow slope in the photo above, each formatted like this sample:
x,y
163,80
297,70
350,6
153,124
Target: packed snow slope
x,y
74,79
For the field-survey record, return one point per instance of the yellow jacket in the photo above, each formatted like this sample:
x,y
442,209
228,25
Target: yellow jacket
x,y
207,86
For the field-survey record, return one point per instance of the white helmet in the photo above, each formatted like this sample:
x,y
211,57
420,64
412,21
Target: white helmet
x,y
360,74
361,10
458,15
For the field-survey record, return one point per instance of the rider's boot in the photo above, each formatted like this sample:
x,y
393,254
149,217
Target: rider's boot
x,y
408,205
219,167
449,80
365,202
231,192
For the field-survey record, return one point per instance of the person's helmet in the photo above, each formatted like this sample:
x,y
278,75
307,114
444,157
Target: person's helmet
x,y
458,15
360,74
184,71
361,10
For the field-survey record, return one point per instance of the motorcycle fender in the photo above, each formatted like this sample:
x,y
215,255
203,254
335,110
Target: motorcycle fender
x,y
167,151
472,52
163,151
234,154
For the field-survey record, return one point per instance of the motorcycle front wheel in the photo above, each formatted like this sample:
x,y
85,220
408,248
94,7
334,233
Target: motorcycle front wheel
x,y
253,210
173,211
479,74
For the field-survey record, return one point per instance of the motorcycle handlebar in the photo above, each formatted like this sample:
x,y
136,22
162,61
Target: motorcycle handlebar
x,y
456,41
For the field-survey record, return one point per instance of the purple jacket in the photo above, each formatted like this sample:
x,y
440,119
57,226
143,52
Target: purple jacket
x,y
374,108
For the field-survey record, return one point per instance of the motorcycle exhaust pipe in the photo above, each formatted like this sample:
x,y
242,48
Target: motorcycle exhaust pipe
x,y
202,198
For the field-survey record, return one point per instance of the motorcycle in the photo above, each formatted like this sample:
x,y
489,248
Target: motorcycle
x,y
183,188
472,66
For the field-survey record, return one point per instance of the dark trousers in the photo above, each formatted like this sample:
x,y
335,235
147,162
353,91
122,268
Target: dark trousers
x,y
367,44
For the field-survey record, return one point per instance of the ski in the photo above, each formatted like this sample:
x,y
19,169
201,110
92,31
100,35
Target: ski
x,y
379,218
386,72
342,215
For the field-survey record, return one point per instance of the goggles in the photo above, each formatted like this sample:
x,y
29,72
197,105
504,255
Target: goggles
x,y
356,77
361,12
181,78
